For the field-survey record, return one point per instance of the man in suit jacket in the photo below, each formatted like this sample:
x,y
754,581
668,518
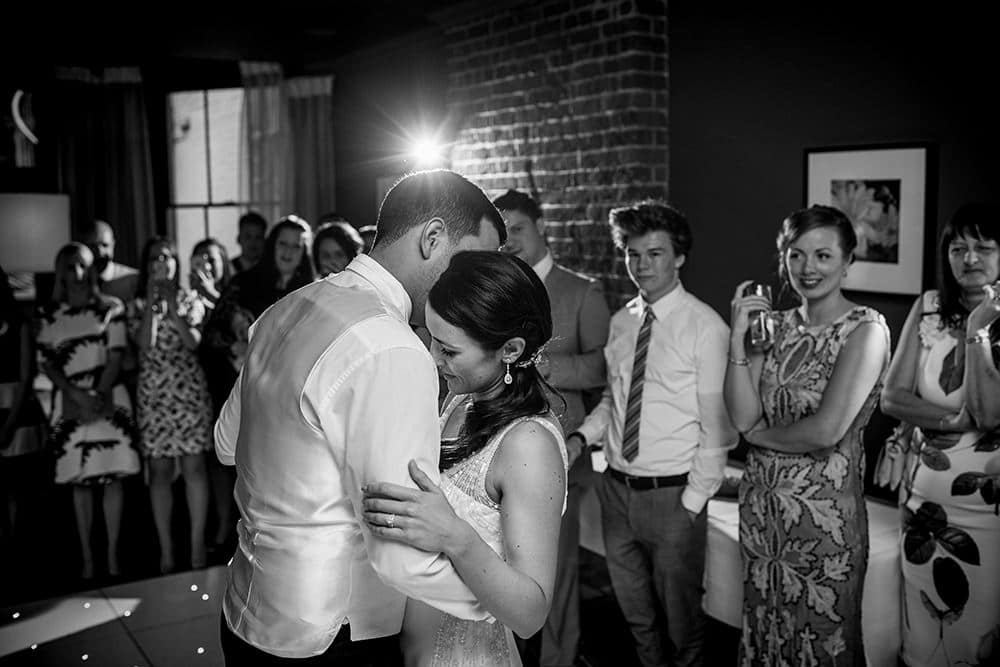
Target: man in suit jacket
x,y
573,363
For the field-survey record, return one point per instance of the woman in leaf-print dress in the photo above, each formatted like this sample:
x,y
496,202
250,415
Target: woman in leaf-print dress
x,y
802,404
81,340
944,382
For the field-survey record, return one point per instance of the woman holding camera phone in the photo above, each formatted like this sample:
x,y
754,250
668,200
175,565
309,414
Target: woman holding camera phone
x,y
173,405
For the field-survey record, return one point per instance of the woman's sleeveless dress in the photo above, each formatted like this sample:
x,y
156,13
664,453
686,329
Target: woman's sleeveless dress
x,y
951,526
431,637
803,519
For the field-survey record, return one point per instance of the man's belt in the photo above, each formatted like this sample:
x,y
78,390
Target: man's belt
x,y
646,483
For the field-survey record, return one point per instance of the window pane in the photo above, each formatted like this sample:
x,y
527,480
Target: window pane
x,y
225,111
188,228
223,224
188,169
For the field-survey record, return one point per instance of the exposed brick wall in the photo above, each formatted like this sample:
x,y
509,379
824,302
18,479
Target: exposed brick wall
x,y
568,97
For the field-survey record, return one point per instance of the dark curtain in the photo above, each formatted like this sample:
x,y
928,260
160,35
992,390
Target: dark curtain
x,y
103,153
310,106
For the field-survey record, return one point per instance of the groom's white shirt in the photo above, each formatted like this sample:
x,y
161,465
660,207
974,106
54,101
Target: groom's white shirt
x,y
336,391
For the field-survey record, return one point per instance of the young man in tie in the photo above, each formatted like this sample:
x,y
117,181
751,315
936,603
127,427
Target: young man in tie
x,y
666,431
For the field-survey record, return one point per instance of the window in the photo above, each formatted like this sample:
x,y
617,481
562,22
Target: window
x,y
206,149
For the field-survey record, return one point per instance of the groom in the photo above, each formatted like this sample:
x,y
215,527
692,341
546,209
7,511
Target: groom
x,y
338,391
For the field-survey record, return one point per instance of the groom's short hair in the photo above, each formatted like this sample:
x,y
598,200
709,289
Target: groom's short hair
x,y
436,193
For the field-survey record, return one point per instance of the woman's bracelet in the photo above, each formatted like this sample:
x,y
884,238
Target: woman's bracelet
x,y
739,362
981,336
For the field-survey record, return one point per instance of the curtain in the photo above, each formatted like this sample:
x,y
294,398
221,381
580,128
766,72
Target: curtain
x,y
310,105
268,178
103,153
288,125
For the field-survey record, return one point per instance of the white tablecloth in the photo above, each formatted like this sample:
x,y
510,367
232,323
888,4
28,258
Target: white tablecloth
x,y
880,611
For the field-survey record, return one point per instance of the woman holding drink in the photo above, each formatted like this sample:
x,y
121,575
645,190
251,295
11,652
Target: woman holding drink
x,y
802,400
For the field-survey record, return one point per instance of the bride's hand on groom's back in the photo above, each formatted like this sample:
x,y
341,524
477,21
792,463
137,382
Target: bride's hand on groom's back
x,y
420,517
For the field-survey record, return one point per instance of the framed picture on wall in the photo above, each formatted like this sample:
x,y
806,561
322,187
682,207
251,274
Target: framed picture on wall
x,y
884,191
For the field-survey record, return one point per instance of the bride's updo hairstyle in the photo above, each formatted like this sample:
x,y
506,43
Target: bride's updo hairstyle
x,y
493,297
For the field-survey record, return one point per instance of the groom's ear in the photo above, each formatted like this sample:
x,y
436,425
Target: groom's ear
x,y
433,236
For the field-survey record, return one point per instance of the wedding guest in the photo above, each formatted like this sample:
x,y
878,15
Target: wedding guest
x,y
81,340
943,384
250,237
802,403
210,274
210,271
174,409
667,435
335,245
113,278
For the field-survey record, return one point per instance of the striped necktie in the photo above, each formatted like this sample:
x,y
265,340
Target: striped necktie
x,y
630,439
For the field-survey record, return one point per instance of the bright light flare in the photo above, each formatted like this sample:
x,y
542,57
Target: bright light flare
x,y
425,151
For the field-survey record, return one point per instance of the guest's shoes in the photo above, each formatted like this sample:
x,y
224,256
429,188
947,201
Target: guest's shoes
x,y
166,564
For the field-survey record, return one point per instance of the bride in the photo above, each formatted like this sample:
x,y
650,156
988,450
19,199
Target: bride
x,y
496,514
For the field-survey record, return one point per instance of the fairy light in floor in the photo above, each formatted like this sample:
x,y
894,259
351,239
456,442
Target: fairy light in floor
x,y
16,615
201,649
34,646
194,587
204,596
85,657
86,605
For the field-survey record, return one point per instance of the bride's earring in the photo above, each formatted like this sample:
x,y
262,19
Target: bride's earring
x,y
507,379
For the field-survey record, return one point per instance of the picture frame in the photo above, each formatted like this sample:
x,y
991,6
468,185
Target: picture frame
x,y
886,193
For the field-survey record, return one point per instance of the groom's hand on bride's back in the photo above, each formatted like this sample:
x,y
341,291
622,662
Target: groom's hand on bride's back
x,y
421,517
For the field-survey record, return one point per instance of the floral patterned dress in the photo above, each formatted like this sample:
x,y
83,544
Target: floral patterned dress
x,y
803,521
77,341
174,407
951,526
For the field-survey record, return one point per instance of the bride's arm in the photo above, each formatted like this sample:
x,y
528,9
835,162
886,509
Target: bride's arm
x,y
528,472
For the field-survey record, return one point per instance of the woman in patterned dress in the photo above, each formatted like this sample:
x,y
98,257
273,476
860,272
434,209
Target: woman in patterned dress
x,y
174,408
503,489
81,340
802,404
944,383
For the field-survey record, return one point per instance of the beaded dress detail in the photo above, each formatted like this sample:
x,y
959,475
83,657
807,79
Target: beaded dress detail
x,y
477,643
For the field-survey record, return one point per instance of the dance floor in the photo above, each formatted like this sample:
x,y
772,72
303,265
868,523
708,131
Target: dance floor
x,y
174,620
161,622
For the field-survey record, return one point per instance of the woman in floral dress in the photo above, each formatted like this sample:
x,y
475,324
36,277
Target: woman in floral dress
x,y
174,406
81,341
944,384
803,404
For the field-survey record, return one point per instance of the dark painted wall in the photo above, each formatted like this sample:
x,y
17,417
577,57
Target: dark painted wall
x,y
750,91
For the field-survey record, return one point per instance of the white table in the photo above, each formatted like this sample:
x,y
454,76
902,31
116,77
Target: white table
x,y
880,610
724,570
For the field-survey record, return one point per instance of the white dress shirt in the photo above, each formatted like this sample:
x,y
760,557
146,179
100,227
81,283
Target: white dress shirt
x,y
336,391
683,426
543,266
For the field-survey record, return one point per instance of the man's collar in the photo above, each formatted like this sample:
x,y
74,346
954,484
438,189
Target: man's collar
x,y
544,266
661,307
384,282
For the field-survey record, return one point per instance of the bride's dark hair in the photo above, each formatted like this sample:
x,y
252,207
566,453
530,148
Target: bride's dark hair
x,y
494,297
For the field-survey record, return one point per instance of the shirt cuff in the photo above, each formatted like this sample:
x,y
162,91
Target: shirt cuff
x,y
693,501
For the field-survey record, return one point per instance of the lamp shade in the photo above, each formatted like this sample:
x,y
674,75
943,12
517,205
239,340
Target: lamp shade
x,y
33,227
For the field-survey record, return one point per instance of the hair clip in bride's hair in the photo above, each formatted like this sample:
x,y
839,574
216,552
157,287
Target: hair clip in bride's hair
x,y
532,360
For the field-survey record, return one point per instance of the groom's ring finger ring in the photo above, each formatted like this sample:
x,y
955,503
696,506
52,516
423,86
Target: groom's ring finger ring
x,y
390,522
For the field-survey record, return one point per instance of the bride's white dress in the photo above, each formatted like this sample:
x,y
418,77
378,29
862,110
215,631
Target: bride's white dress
x,y
431,637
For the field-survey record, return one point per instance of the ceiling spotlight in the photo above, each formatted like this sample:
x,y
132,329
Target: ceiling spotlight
x,y
425,151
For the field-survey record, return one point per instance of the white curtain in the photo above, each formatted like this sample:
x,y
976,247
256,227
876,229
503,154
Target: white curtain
x,y
289,129
268,162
